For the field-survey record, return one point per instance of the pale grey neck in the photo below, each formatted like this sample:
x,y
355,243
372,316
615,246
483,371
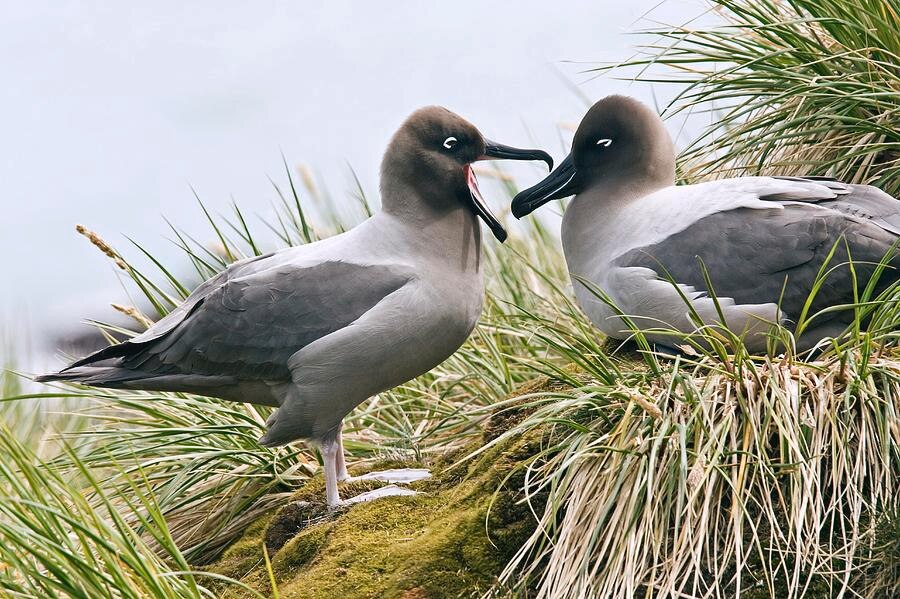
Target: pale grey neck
x,y
598,222
611,195
445,232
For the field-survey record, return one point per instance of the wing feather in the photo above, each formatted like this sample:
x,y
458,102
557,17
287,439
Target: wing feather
x,y
865,202
758,256
247,321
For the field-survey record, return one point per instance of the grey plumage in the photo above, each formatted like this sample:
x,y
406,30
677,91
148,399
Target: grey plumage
x,y
788,246
868,203
317,329
242,327
762,240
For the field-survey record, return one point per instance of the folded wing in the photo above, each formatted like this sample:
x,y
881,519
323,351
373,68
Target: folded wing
x,y
246,322
774,255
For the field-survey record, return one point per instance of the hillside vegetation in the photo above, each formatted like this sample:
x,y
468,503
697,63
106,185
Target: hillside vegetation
x,y
564,465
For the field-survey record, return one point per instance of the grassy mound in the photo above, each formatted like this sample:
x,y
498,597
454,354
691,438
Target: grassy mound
x,y
763,481
453,539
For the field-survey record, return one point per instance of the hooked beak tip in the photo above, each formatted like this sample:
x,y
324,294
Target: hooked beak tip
x,y
548,159
516,212
558,184
495,151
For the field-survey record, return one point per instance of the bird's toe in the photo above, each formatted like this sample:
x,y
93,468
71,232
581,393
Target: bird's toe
x,y
402,476
388,491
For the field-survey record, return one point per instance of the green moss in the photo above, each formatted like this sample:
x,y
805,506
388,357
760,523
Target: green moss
x,y
451,540
244,556
302,548
293,518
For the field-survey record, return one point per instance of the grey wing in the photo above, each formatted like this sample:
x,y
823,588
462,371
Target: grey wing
x,y
246,322
174,318
759,256
865,202
869,203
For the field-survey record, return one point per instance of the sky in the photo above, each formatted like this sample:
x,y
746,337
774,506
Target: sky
x,y
111,112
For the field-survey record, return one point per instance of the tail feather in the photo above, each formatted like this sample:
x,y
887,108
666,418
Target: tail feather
x,y
117,377
119,350
95,376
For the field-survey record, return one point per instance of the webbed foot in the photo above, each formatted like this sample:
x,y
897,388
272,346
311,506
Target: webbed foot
x,y
388,491
402,476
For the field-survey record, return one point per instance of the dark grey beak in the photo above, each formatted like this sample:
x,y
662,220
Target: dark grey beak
x,y
479,206
562,182
495,151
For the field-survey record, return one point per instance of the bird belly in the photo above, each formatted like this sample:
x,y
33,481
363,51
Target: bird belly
x,y
411,332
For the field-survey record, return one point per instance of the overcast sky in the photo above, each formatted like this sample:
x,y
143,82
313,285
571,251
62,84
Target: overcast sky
x,y
110,111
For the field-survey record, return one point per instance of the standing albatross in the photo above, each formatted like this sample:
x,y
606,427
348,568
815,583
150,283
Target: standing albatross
x,y
315,330
630,232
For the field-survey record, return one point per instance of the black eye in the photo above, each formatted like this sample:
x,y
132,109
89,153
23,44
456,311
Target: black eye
x,y
606,142
450,142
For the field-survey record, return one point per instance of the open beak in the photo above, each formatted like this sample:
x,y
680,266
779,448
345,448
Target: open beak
x,y
562,182
495,151
479,206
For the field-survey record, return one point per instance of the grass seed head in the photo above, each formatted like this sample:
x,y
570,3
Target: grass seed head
x,y
104,247
134,313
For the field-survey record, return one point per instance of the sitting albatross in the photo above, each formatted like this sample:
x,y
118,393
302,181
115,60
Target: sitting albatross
x,y
629,232
317,329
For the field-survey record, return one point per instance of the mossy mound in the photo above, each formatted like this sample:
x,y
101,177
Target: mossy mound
x,y
451,540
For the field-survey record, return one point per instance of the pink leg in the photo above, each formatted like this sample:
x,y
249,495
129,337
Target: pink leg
x,y
342,473
330,451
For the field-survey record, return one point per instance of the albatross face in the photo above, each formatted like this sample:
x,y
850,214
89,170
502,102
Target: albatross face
x,y
433,152
619,140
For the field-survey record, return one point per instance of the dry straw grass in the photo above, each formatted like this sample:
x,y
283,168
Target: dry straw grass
x,y
716,483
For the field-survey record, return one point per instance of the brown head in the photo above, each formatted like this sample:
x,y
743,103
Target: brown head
x,y
429,159
619,143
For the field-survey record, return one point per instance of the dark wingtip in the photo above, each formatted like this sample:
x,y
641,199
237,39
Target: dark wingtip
x,y
113,351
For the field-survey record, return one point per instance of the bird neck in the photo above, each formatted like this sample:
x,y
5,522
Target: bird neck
x,y
443,231
593,224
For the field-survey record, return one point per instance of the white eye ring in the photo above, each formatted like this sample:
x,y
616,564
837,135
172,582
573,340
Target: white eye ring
x,y
449,142
605,141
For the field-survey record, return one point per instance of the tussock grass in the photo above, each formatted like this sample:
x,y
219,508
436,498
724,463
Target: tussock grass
x,y
803,87
200,457
716,474
709,479
65,533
